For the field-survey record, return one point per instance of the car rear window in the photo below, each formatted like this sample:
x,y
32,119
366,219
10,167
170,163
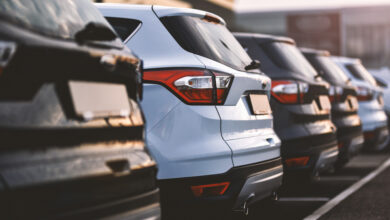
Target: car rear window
x,y
330,71
358,71
208,39
287,56
56,18
124,27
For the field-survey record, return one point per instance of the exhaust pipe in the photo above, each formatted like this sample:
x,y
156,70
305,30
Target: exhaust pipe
x,y
244,209
274,196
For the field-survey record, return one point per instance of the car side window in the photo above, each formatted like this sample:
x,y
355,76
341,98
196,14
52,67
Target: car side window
x,y
124,27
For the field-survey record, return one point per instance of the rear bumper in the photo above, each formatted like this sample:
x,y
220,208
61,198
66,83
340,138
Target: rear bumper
x,y
259,180
376,139
259,186
141,206
350,142
144,206
321,150
77,183
326,159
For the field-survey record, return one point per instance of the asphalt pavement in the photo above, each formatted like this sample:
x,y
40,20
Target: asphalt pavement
x,y
371,201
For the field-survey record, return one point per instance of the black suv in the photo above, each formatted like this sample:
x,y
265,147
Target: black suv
x,y
72,133
300,105
343,97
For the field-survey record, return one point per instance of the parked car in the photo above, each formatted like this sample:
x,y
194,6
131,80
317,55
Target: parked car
x,y
371,105
209,124
382,78
343,98
72,131
300,103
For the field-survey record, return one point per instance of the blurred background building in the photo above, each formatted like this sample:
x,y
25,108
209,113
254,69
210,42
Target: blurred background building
x,y
355,28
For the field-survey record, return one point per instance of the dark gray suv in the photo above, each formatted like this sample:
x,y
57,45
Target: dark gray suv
x,y
72,132
300,104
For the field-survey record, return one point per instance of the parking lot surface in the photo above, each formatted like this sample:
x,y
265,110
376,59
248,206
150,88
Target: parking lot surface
x,y
369,202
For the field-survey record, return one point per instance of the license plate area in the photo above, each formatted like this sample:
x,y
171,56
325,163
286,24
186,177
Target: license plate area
x,y
352,102
324,103
259,104
93,100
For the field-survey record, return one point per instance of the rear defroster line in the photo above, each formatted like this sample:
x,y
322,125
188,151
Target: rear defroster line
x,y
349,191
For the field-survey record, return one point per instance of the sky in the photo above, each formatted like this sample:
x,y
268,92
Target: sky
x,y
243,6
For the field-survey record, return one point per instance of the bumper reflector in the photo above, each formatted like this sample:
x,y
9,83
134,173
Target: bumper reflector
x,y
214,189
369,135
340,145
297,161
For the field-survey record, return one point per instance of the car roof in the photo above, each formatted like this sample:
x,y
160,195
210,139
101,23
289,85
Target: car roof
x,y
263,38
161,11
356,81
347,60
313,52
117,6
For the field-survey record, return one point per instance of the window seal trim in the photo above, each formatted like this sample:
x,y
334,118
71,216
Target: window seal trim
x,y
133,33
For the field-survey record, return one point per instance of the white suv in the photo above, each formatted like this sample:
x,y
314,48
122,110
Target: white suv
x,y
371,104
209,123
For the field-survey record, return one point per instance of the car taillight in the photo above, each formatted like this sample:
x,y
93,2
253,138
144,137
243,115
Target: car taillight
x,y
364,94
297,161
193,86
289,92
214,189
335,93
368,135
7,50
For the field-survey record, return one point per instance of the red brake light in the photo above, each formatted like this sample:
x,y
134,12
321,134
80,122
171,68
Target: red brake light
x,y
214,189
364,94
335,93
289,92
297,161
369,135
193,86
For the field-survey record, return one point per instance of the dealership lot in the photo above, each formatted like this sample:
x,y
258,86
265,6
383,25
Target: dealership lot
x,y
305,199
127,112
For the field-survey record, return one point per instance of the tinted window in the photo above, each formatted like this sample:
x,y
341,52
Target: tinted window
x,y
330,71
287,56
124,27
358,71
207,38
58,18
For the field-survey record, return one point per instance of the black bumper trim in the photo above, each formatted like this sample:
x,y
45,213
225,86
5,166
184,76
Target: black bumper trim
x,y
177,192
304,147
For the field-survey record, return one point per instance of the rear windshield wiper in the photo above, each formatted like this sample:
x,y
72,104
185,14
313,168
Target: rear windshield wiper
x,y
255,64
95,31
